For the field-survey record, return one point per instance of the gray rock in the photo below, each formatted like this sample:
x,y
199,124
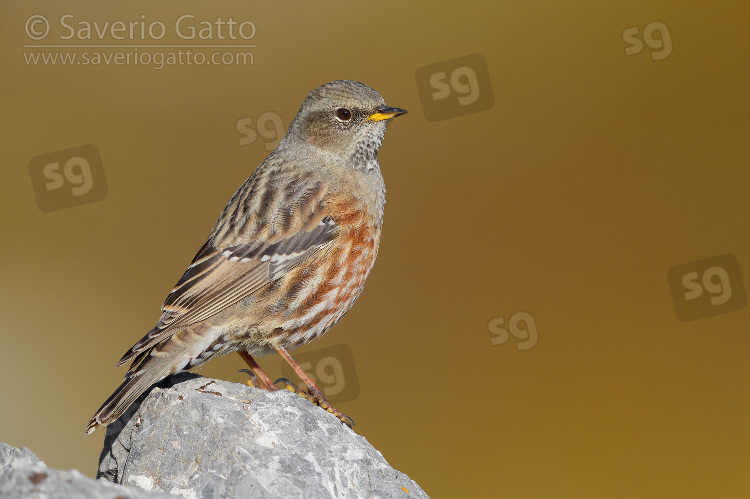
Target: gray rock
x,y
204,438
23,475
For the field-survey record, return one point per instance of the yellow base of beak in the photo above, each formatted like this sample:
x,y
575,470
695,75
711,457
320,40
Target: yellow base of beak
x,y
386,113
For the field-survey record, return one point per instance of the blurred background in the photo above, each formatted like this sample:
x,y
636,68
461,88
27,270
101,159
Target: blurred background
x,y
558,306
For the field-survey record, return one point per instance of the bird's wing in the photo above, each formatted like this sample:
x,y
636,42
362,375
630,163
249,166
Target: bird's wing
x,y
220,276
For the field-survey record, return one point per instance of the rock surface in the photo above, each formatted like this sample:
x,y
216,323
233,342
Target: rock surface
x,y
23,475
204,438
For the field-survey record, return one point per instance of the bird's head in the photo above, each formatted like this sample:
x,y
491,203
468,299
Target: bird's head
x,y
345,118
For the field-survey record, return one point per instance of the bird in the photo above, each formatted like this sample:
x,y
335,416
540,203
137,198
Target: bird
x,y
287,257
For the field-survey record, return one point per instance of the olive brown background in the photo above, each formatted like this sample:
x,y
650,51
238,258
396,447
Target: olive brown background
x,y
558,307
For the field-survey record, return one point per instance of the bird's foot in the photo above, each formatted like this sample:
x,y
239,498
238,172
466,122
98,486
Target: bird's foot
x,y
255,381
315,396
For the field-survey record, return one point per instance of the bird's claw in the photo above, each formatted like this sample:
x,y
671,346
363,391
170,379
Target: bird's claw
x,y
253,381
312,394
316,397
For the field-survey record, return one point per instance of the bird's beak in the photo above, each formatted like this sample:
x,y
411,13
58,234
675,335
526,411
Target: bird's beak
x,y
385,113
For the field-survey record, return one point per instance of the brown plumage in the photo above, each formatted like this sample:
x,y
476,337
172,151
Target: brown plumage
x,y
288,256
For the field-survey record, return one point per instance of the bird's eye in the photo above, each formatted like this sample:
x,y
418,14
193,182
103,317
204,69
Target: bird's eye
x,y
343,114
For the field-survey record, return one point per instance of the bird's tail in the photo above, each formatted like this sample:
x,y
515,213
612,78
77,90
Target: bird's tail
x,y
134,386
184,349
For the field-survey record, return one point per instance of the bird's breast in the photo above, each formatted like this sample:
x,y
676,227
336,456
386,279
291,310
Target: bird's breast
x,y
318,292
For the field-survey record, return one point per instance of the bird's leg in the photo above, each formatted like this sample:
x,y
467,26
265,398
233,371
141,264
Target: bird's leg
x,y
314,394
260,379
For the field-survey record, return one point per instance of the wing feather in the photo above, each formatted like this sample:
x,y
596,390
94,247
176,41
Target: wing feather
x,y
220,276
